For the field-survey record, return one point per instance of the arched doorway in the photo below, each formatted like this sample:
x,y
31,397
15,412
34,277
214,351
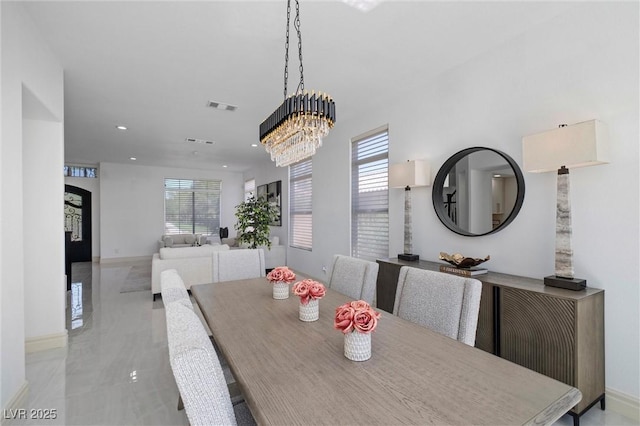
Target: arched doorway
x,y
77,221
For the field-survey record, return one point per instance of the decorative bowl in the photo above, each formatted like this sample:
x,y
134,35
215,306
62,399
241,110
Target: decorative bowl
x,y
460,261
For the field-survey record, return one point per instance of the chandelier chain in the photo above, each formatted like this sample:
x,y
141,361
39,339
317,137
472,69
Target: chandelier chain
x,y
296,25
286,51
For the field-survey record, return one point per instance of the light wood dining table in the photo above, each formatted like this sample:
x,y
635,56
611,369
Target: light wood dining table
x,y
294,372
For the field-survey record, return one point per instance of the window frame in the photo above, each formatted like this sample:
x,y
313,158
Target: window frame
x,y
195,215
298,174
78,171
381,250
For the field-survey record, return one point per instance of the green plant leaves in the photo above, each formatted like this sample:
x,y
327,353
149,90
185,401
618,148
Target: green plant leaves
x,y
254,216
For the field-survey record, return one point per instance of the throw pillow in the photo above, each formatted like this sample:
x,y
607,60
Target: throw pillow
x,y
214,240
231,242
189,239
168,242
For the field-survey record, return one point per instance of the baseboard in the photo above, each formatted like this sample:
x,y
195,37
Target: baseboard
x,y
95,259
124,259
17,402
42,343
625,404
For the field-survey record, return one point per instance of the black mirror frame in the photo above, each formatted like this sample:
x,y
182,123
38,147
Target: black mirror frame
x,y
438,183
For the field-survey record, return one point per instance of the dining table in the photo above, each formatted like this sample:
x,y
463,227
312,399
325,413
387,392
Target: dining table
x,y
293,372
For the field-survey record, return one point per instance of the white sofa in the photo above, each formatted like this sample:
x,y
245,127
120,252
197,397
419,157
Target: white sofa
x,y
273,257
194,264
180,240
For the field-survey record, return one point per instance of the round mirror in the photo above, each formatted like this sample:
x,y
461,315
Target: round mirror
x,y
478,191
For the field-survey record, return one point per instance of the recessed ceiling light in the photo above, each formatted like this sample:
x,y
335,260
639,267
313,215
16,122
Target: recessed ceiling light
x,y
121,127
497,175
362,5
254,145
132,158
224,165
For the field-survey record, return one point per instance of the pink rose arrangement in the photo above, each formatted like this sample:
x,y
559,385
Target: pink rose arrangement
x,y
281,274
357,316
308,290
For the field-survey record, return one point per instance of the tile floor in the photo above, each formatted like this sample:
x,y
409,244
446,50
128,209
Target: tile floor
x,y
115,370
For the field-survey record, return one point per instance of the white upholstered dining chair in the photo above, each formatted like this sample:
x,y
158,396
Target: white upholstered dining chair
x,y
445,303
172,288
174,291
198,373
239,264
354,277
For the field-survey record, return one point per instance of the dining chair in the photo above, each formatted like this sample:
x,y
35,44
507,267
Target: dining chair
x,y
238,264
172,288
198,373
354,277
445,303
174,291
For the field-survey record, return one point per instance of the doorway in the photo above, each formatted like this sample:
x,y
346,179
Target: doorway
x,y
77,222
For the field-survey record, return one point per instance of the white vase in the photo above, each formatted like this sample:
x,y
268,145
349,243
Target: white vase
x,y
309,312
280,290
357,346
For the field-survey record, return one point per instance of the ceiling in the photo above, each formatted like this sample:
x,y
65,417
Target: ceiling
x,y
153,67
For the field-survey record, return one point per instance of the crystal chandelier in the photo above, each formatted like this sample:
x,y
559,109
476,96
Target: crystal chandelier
x,y
295,129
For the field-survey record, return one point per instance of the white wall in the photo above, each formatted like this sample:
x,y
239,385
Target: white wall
x,y
132,205
3,394
92,185
264,175
580,65
26,62
44,286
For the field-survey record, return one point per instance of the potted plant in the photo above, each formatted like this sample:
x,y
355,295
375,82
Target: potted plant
x,y
254,216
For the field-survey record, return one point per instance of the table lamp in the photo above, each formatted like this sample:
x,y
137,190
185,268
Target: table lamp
x,y
408,175
579,145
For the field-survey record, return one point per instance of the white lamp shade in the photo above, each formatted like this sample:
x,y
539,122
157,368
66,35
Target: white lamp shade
x,y
410,173
579,145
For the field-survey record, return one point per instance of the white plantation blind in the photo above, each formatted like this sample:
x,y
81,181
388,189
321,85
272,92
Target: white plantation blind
x,y
370,195
300,205
192,206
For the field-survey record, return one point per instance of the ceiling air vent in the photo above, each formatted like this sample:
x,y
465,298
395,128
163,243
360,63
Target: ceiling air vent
x,y
222,106
200,141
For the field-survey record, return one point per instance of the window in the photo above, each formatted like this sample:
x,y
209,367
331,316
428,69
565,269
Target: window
x,y
192,206
300,211
249,189
370,195
80,171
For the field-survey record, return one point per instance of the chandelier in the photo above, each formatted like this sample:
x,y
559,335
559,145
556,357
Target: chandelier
x,y
294,131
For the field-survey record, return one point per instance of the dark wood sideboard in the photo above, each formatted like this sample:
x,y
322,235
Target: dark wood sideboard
x,y
556,332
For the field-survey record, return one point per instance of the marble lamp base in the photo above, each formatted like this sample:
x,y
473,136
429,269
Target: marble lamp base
x,y
568,283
